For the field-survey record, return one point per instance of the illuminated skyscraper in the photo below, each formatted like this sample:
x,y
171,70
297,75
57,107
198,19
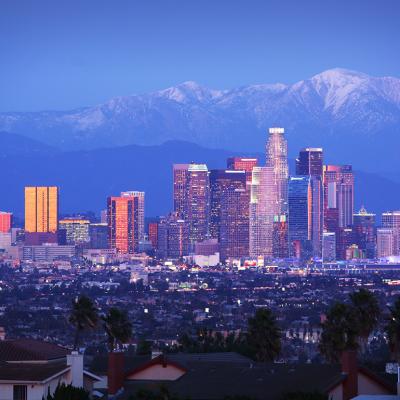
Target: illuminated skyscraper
x,y
140,197
123,223
243,164
192,198
5,222
276,158
263,208
41,209
234,218
338,197
220,182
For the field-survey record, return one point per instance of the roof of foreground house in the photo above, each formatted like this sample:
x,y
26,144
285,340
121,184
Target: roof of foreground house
x,y
30,350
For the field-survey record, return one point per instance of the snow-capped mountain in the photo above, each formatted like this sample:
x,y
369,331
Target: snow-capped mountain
x,y
353,115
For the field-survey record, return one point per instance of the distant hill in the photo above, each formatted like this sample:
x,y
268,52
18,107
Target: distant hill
x,y
354,116
86,178
12,144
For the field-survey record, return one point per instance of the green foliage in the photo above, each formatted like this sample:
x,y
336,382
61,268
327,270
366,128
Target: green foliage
x,y
117,327
68,392
264,335
84,315
339,332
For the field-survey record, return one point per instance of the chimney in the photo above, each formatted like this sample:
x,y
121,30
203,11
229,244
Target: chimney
x,y
350,368
75,361
115,375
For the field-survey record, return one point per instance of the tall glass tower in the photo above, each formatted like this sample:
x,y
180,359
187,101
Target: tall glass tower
x,y
276,158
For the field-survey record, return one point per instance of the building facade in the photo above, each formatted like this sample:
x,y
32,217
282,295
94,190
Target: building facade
x,y
123,223
41,209
234,227
221,182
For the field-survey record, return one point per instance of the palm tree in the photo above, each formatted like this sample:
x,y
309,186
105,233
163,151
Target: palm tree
x,y
117,327
84,315
393,330
367,313
264,335
339,331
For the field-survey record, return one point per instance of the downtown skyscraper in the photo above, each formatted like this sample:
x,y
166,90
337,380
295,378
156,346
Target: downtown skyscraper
x,y
221,181
123,220
338,197
41,209
191,188
277,159
305,216
263,208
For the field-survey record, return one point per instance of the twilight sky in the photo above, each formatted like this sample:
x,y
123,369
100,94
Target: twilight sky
x,y
61,54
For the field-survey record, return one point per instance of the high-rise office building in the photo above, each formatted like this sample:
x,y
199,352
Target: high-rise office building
x,y
173,237
5,222
338,197
328,246
234,223
280,241
263,209
242,164
153,234
76,231
345,238
98,233
391,220
123,223
221,181
310,162
191,198
305,216
387,242
140,197
276,158
41,209
364,230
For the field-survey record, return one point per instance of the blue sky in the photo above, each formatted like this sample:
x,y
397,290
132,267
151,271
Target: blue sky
x,y
66,54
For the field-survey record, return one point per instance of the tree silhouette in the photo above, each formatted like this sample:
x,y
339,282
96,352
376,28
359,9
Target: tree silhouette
x,y
339,332
367,313
264,335
117,327
84,315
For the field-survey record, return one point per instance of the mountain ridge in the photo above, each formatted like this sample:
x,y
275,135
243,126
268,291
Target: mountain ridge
x,y
337,109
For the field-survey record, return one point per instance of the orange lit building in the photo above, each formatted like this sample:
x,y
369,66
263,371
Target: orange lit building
x,y
5,222
123,223
41,209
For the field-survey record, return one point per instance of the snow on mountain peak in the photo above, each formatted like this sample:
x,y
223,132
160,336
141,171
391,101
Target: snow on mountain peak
x,y
189,91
